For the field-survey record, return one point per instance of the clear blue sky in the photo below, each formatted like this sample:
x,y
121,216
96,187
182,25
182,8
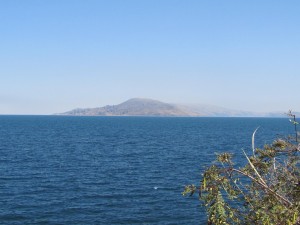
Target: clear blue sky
x,y
57,55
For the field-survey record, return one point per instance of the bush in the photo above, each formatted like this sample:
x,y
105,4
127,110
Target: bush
x,y
265,191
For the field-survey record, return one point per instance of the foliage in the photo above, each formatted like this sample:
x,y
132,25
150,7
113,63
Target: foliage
x,y
265,191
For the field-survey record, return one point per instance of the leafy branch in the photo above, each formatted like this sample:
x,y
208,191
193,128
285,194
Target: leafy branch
x,y
264,191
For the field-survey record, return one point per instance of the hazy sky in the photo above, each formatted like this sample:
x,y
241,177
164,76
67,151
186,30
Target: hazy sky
x,y
56,55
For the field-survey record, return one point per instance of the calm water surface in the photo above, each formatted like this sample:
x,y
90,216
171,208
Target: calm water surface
x,y
114,170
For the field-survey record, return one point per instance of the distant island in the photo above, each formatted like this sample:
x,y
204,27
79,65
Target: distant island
x,y
133,107
150,107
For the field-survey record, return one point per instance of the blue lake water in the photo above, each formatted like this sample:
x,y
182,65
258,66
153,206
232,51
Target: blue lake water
x,y
114,170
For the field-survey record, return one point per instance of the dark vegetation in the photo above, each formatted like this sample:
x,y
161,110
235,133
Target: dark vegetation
x,y
264,191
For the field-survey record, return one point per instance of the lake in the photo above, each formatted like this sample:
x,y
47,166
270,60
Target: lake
x,y
115,170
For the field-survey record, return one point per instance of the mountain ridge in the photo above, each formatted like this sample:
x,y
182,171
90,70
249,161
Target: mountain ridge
x,y
150,107
133,107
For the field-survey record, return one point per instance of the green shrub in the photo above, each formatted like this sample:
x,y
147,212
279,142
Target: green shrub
x,y
265,191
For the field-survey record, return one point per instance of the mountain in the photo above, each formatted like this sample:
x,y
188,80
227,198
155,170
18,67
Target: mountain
x,y
134,107
149,107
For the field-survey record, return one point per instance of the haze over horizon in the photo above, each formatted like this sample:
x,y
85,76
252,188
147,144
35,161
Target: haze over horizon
x,y
60,55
